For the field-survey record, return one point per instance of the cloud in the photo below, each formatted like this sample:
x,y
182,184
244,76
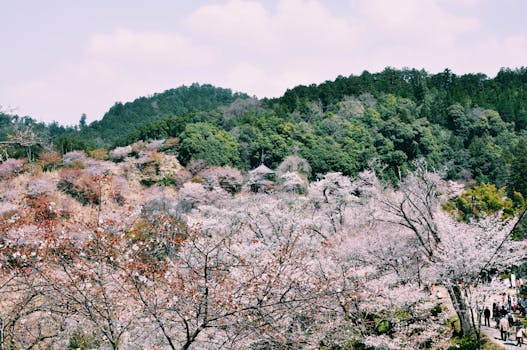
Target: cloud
x,y
64,93
124,44
295,28
250,46
298,38
413,21
493,53
118,66
462,3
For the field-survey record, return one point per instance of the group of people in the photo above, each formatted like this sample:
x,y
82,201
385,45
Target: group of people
x,y
508,327
511,303
505,322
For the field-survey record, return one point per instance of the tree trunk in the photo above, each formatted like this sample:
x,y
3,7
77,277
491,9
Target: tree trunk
x,y
456,296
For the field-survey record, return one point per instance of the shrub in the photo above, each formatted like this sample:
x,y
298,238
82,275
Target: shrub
x,y
119,187
49,160
293,182
43,208
39,187
294,164
170,145
147,182
138,147
80,340
7,209
436,310
192,194
99,154
230,179
156,157
155,145
11,167
80,186
470,342
383,326
196,165
119,153
74,159
99,167
181,177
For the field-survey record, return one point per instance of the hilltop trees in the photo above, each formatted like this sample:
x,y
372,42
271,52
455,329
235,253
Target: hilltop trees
x,y
124,119
470,122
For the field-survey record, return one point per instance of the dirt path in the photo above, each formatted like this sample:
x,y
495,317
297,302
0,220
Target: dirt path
x,y
494,335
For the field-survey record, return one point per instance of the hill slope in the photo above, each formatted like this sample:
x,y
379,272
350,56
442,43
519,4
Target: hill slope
x,y
123,119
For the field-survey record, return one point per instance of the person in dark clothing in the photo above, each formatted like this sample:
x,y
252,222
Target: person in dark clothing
x,y
510,319
486,313
496,313
503,311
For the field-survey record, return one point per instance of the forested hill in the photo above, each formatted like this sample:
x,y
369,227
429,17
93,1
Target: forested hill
x,y
123,119
471,125
109,231
506,93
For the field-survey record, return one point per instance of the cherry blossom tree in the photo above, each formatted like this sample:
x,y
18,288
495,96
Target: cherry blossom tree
x,y
29,316
11,167
459,256
236,277
85,278
200,268
119,153
25,136
379,301
225,177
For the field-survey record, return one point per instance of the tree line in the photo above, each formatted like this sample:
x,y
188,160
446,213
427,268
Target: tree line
x,y
471,124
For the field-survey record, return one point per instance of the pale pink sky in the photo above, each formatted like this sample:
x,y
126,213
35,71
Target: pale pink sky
x,y
62,58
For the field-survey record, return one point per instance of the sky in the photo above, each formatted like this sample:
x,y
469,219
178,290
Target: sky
x,y
62,58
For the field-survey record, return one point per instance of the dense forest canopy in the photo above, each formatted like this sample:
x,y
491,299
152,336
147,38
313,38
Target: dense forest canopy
x,y
470,124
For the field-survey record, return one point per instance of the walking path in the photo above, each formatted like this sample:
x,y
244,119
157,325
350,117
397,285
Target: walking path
x,y
494,335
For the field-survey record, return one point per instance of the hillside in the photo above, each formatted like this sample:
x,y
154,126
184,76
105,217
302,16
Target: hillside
x,y
329,223
506,93
393,117
123,119
471,126
137,249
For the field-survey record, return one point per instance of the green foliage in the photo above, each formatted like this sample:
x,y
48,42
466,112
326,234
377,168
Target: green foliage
x,y
472,124
436,310
471,342
326,155
350,345
205,141
518,178
383,326
485,199
80,340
